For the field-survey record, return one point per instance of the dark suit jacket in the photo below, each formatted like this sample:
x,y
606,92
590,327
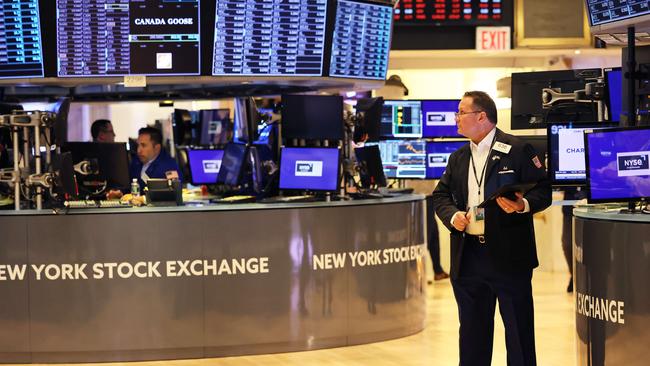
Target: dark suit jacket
x,y
510,237
157,169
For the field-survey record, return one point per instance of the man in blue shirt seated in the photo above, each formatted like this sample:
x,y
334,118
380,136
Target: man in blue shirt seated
x,y
152,161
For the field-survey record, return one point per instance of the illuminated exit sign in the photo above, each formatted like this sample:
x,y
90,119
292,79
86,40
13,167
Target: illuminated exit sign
x,y
493,38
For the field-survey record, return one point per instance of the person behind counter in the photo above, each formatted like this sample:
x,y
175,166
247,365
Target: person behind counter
x,y
492,249
152,161
102,131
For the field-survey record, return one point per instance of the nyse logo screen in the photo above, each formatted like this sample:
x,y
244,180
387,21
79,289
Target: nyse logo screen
x,y
633,163
307,168
211,166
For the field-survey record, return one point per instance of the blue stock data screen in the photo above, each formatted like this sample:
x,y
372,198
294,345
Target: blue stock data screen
x,y
20,44
127,37
606,11
269,37
361,40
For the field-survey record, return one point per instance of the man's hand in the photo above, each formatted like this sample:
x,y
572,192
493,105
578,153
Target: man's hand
x,y
460,220
510,206
113,194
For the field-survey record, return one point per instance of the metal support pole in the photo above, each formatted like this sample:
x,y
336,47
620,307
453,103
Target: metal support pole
x,y
16,169
37,163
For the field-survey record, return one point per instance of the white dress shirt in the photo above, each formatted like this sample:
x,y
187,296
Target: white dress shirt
x,y
480,154
143,174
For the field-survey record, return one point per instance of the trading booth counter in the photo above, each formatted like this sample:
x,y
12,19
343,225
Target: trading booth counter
x,y
611,271
207,281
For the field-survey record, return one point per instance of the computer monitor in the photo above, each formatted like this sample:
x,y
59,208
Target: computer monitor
x,y
182,127
618,164
401,119
317,117
439,119
566,157
60,128
404,159
614,98
527,111
232,165
216,128
153,37
369,112
309,168
204,165
269,38
21,52
64,183
361,40
438,153
371,170
111,157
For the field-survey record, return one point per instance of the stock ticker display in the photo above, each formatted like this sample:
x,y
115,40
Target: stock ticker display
x,y
20,45
361,40
605,11
403,158
127,37
269,38
401,119
449,12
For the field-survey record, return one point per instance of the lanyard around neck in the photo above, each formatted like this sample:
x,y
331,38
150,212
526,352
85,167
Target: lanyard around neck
x,y
479,181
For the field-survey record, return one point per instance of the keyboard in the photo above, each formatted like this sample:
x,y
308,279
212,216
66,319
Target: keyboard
x,y
397,190
289,199
365,195
234,199
96,204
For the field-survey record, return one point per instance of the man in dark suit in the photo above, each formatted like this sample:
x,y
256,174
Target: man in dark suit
x,y
492,248
152,161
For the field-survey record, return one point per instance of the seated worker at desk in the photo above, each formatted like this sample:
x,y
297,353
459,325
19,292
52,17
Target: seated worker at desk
x,y
152,161
102,131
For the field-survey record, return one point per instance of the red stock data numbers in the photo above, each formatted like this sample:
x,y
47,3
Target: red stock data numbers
x,y
450,12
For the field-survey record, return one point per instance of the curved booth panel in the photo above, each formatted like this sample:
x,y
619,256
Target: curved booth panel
x,y
147,284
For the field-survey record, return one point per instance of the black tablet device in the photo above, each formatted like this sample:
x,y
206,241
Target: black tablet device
x,y
508,191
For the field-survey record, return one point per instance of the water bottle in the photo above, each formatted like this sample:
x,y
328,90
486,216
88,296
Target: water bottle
x,y
135,188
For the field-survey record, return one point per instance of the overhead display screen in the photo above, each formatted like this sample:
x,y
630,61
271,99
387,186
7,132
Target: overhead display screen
x,y
449,12
606,11
269,37
21,54
127,37
361,40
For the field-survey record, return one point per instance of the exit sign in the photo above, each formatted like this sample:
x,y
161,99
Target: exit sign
x,y
493,38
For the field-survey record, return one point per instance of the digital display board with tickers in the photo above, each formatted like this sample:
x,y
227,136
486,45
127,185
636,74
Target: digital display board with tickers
x,y
21,54
127,37
452,12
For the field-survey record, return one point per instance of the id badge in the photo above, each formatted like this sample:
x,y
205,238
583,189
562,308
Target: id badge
x,y
478,213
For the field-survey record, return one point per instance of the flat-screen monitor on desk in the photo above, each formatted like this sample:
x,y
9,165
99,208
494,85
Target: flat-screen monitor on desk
x,y
314,117
614,98
309,168
215,127
439,118
566,152
204,165
403,159
618,164
21,53
370,168
401,119
232,165
438,153
111,157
